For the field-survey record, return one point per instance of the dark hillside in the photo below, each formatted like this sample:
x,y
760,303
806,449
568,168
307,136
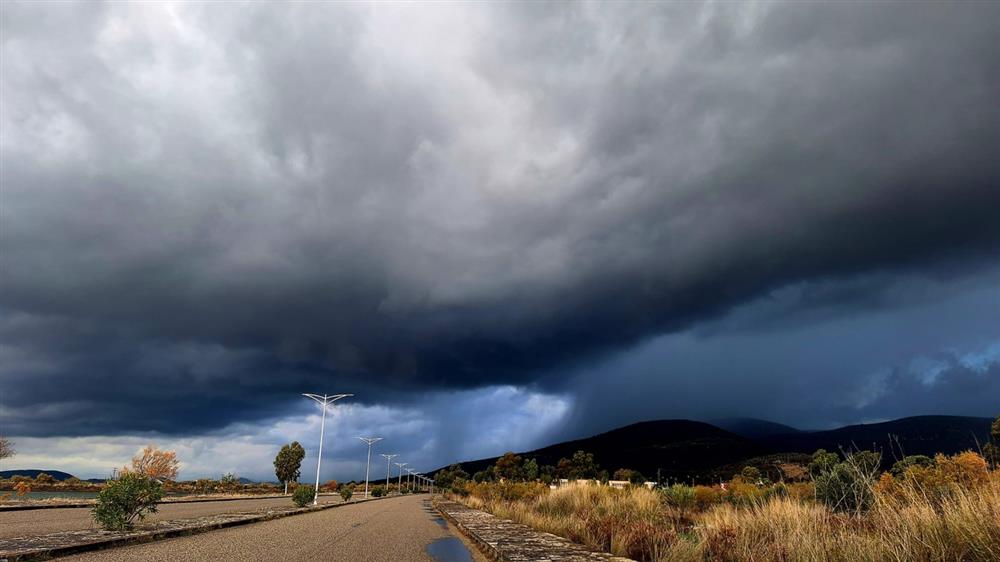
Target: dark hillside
x,y
920,435
679,449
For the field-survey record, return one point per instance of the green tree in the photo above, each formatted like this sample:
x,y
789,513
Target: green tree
x,y
508,467
530,470
288,462
126,500
581,466
547,474
483,475
995,431
632,476
446,477
346,491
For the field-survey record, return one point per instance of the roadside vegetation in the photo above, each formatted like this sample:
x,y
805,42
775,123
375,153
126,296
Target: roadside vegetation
x,y
839,508
125,501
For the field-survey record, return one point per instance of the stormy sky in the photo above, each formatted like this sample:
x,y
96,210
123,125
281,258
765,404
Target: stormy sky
x,y
497,224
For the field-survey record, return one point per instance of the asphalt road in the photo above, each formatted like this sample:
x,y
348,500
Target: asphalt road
x,y
44,521
394,529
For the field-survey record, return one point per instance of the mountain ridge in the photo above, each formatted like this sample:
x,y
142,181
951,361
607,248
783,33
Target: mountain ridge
x,y
691,450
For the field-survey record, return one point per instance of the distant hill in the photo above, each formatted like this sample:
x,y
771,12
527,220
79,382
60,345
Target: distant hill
x,y
33,472
753,428
689,450
678,449
919,435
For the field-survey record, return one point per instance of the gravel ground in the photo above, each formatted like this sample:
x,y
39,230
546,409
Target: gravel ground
x,y
395,529
43,521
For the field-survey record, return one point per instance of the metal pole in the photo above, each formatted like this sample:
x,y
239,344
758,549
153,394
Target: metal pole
x,y
319,459
388,460
324,400
370,441
399,484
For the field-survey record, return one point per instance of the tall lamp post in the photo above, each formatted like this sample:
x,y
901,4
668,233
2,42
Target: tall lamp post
x,y
388,460
325,400
370,441
400,484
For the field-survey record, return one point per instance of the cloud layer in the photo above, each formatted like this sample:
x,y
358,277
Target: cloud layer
x,y
209,209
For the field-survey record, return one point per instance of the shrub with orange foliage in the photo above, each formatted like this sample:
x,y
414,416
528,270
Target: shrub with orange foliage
x,y
22,488
706,496
154,463
742,492
801,490
968,469
887,486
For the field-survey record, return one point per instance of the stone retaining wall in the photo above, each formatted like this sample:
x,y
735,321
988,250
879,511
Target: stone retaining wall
x,y
505,541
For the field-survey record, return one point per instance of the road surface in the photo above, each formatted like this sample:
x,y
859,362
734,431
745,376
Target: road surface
x,y
43,521
394,529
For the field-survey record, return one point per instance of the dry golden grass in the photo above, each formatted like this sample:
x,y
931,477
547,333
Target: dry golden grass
x,y
912,523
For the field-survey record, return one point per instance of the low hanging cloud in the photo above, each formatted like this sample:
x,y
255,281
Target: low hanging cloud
x,y
424,438
208,209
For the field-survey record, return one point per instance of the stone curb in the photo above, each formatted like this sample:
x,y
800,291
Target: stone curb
x,y
29,507
177,530
535,545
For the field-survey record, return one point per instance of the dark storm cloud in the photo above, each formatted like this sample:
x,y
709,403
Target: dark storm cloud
x,y
205,206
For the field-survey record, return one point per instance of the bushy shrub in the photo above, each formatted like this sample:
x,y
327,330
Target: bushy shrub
x,y
945,474
705,496
742,492
303,494
124,501
346,492
679,496
914,460
822,462
378,491
44,479
848,486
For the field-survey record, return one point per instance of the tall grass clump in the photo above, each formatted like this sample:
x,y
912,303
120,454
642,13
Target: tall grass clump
x,y
632,522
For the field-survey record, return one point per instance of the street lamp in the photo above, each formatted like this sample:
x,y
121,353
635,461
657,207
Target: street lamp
x,y
388,459
370,441
400,483
325,400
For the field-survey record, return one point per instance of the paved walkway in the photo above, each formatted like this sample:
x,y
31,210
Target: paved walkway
x,y
398,529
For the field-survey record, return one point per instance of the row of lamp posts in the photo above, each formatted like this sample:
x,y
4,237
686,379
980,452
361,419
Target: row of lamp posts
x,y
412,477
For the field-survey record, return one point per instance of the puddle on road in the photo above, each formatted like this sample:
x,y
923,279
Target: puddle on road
x,y
449,549
440,521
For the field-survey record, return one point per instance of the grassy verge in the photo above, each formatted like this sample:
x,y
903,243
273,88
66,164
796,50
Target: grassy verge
x,y
919,519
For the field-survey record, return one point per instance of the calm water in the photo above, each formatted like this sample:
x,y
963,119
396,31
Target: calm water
x,y
47,495
449,549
